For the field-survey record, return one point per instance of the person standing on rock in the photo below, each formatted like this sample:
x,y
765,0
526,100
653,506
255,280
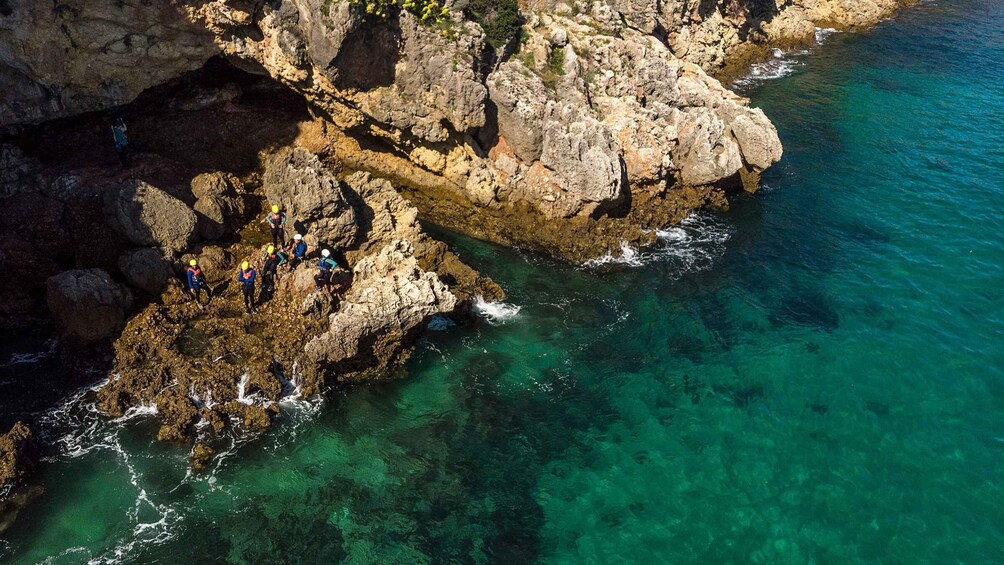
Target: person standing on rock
x,y
246,276
326,268
299,252
121,141
197,283
276,220
270,270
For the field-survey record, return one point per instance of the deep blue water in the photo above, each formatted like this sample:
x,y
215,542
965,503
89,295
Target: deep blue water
x,y
816,376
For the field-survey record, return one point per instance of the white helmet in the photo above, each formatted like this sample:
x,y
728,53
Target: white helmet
x,y
325,253
297,237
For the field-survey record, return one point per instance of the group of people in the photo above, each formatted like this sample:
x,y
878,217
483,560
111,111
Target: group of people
x,y
273,258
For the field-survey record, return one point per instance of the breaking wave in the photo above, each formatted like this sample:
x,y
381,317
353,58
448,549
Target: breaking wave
x,y
782,63
495,312
689,246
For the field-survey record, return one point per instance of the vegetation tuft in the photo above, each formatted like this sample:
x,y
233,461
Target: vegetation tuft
x,y
499,18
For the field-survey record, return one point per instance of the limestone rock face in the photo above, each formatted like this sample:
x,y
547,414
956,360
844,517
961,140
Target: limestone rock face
x,y
400,74
312,197
219,207
391,296
83,55
521,99
146,215
87,305
713,34
147,268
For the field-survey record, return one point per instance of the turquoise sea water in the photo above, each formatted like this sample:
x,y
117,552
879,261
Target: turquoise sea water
x,y
815,377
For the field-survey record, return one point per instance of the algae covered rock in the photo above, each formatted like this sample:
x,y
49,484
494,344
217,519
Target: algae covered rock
x,y
87,305
146,215
18,453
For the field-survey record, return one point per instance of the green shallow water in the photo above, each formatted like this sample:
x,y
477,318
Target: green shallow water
x,y
816,376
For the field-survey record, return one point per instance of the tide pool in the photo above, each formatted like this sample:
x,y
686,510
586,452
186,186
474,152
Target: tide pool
x,y
816,376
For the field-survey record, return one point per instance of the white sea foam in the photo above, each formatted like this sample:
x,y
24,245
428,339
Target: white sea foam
x,y
138,412
822,33
691,245
33,357
628,256
495,312
77,428
780,65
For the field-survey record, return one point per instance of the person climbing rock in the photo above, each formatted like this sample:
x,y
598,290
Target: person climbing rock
x,y
246,276
197,283
299,252
326,268
270,270
121,141
276,220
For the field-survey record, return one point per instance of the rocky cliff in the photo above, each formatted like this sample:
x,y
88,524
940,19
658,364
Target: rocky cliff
x,y
576,128
568,121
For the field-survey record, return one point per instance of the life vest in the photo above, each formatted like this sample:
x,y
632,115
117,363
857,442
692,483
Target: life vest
x,y
275,219
196,272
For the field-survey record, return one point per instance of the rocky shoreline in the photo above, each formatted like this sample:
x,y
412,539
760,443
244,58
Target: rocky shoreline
x,y
588,127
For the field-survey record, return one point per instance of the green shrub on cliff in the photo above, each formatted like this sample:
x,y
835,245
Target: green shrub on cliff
x,y
427,11
499,18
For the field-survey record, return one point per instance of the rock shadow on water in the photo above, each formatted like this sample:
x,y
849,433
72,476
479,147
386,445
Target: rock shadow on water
x,y
808,309
687,346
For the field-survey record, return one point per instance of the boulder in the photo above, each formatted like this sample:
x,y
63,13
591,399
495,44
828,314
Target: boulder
x,y
584,154
87,305
391,297
147,269
215,262
219,206
312,197
757,139
148,216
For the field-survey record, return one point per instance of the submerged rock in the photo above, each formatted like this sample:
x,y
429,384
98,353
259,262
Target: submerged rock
x,y
87,305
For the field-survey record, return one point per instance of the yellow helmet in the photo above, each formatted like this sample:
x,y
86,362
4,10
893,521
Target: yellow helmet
x,y
245,265
270,250
275,209
193,262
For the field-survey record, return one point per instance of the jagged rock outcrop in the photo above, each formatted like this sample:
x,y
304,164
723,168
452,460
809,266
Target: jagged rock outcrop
x,y
390,298
219,206
146,215
18,454
216,364
87,305
586,113
312,197
725,35
75,56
